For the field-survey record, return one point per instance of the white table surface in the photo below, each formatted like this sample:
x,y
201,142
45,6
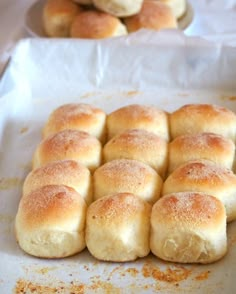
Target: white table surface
x,y
211,17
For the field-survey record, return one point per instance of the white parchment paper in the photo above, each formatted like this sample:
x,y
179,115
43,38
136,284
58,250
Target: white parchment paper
x,y
163,69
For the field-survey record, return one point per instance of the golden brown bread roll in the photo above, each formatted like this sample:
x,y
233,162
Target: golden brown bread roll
x,y
69,144
117,228
77,116
50,222
64,172
153,15
93,24
199,118
178,7
58,16
84,2
140,145
125,175
188,227
119,8
209,146
136,116
205,176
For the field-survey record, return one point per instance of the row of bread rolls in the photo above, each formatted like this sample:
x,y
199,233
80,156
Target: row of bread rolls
x,y
52,219
65,18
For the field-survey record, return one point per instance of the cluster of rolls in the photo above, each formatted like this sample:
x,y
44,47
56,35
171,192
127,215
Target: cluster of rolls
x,y
96,19
137,180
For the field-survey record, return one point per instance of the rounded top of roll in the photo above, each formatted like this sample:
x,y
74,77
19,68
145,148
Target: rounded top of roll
x,y
153,15
137,116
190,209
79,116
93,24
50,206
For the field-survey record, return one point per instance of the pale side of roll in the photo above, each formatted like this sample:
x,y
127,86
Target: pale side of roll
x,y
50,222
69,144
117,228
188,227
119,8
205,176
199,118
140,145
209,146
125,175
77,116
63,172
137,116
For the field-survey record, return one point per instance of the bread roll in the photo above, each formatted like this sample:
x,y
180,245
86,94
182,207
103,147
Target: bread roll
x,y
69,144
77,116
64,172
119,8
58,16
188,227
178,7
140,145
154,15
136,116
209,146
125,175
117,228
50,222
205,176
199,118
93,24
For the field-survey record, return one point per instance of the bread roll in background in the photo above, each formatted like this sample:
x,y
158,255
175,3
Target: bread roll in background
x,y
136,116
117,228
178,7
153,15
119,8
205,176
64,172
139,145
188,227
199,118
58,16
209,146
84,2
78,116
125,175
93,24
69,144
50,222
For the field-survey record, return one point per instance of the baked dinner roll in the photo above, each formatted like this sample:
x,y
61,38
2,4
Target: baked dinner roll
x,y
69,144
188,227
50,222
93,24
205,176
153,15
119,8
84,2
117,228
209,146
125,175
199,118
58,16
178,7
78,116
63,172
140,145
136,116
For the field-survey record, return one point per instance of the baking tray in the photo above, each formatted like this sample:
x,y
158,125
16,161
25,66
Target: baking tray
x,y
166,70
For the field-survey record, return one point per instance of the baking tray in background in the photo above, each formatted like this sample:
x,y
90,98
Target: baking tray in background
x,y
34,25
146,68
